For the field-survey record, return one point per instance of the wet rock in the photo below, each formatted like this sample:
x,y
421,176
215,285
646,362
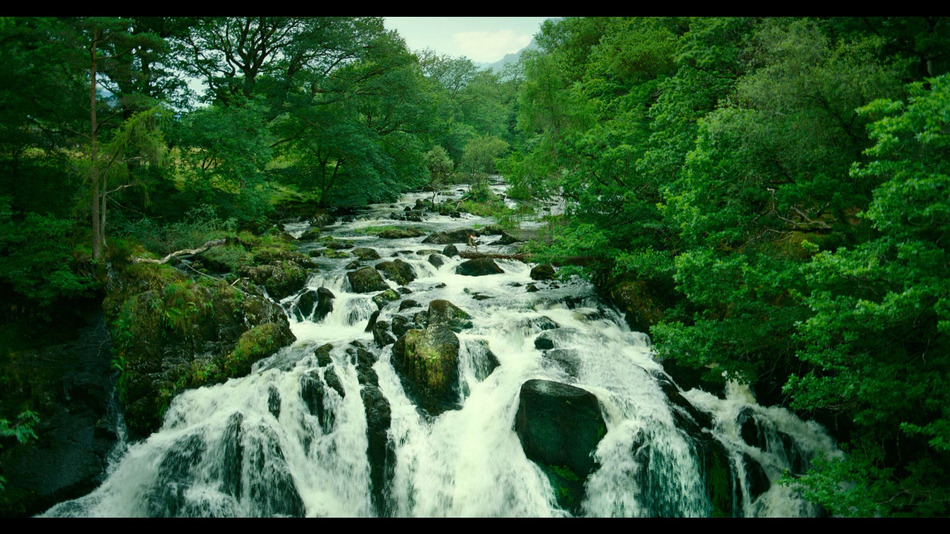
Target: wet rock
x,y
273,401
436,260
381,334
543,272
451,236
281,279
400,233
484,360
427,363
366,280
450,251
365,254
479,267
314,305
559,426
322,219
406,304
322,353
402,324
380,450
443,312
311,234
384,298
567,361
397,270
311,393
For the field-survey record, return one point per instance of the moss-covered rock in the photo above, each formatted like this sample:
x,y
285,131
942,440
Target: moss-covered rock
x,y
400,233
543,272
427,362
366,280
365,253
478,267
397,270
443,312
172,333
559,426
384,298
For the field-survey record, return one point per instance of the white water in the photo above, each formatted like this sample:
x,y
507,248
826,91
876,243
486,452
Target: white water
x,y
223,451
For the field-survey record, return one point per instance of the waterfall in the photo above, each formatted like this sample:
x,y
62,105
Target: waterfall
x,y
296,436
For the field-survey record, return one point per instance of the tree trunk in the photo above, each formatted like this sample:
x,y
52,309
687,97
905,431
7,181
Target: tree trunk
x,y
97,230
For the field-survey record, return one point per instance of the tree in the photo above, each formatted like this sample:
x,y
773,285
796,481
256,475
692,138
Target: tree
x,y
440,168
96,41
879,339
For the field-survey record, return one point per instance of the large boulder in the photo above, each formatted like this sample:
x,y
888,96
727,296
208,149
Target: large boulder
x,y
70,387
281,272
366,280
543,272
400,233
397,270
427,362
478,267
365,253
559,426
314,305
443,312
379,447
451,236
182,335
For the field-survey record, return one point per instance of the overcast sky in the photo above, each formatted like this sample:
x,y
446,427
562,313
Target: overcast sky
x,y
481,39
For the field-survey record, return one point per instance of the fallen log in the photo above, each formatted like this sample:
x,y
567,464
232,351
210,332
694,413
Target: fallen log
x,y
469,255
528,258
183,252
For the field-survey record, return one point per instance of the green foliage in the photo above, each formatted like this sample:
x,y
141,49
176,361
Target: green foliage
x,y
879,336
200,225
36,258
771,171
22,431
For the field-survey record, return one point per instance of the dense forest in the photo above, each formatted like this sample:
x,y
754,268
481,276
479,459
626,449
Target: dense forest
x,y
773,192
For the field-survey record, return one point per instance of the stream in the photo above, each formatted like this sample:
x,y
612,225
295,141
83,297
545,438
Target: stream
x,y
266,445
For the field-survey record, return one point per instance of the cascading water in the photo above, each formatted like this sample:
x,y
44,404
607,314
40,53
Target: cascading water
x,y
300,436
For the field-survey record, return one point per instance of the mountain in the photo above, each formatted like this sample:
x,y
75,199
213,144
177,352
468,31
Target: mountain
x,y
508,59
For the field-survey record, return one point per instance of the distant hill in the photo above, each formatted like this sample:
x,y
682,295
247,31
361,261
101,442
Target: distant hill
x,y
509,58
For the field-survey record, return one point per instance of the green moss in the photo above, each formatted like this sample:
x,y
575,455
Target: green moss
x,y
256,343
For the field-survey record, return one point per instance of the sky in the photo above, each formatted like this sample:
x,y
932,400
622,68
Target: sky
x,y
481,39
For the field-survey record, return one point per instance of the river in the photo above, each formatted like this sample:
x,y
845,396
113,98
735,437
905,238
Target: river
x,y
254,447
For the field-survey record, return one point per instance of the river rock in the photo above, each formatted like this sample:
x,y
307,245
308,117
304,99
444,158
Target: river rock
x,y
443,312
543,272
365,253
71,386
380,450
381,335
559,426
366,280
484,361
397,270
450,251
400,233
641,301
182,335
427,362
384,298
478,267
314,304
281,272
451,236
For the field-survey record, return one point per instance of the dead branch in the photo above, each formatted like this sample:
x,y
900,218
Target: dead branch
x,y
183,252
